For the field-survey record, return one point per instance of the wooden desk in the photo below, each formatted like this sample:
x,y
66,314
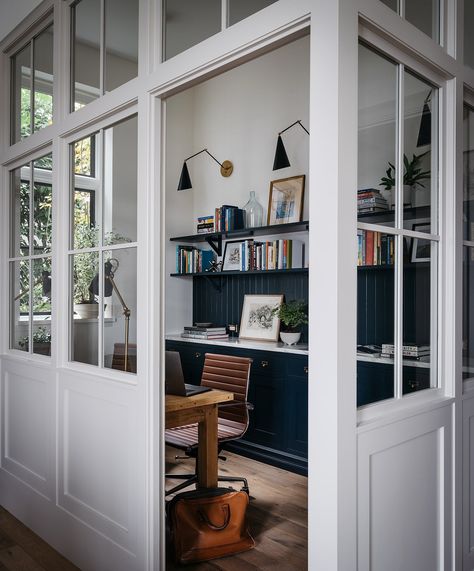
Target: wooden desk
x,y
201,408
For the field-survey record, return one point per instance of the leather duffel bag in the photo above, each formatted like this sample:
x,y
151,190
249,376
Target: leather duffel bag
x,y
209,523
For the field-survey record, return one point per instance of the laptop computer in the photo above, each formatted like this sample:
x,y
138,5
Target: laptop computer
x,y
174,379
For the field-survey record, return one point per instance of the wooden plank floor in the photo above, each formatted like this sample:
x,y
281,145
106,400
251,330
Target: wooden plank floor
x,y
23,550
277,515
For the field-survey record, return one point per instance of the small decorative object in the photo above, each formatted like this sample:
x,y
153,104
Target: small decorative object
x,y
292,316
421,248
253,212
285,203
233,329
232,256
259,320
411,179
214,266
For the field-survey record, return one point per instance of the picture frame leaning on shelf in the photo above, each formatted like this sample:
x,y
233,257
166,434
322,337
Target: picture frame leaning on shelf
x,y
286,199
420,248
259,320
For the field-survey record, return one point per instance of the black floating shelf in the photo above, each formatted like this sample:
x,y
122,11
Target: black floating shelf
x,y
412,213
237,273
245,232
382,267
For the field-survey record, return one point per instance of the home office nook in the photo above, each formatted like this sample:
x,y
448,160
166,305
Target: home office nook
x,y
269,200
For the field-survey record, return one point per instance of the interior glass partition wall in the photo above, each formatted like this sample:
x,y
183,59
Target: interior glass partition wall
x,y
398,236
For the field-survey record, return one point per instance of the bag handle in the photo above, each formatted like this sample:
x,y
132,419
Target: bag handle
x,y
226,509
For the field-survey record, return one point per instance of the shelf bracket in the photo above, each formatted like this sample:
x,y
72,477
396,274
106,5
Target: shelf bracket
x,y
215,243
217,283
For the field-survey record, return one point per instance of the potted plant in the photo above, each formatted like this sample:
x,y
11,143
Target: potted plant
x,y
85,269
292,316
412,177
41,341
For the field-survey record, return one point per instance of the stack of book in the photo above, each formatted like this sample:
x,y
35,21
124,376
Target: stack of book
x,y
375,248
370,200
275,255
205,224
195,332
191,260
410,350
229,218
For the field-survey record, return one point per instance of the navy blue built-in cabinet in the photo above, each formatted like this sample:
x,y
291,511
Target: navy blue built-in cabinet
x,y
278,389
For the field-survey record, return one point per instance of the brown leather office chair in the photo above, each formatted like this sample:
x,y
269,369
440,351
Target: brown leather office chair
x,y
118,359
227,373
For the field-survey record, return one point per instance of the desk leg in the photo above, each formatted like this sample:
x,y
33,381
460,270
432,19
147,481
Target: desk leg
x,y
207,449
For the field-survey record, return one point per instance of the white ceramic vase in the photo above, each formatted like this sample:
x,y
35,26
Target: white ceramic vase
x,y
290,338
388,195
87,310
407,189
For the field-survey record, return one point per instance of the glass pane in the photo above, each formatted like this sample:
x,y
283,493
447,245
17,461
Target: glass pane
x,y
376,138
419,188
417,334
375,316
393,4
20,212
21,94
468,35
42,213
85,324
468,314
19,305
120,183
187,22
42,306
240,9
43,79
86,52
121,42
468,181
424,14
85,221
120,309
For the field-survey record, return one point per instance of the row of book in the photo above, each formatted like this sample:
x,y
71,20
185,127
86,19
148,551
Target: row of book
x,y
274,255
191,260
375,248
370,200
412,350
228,218
195,332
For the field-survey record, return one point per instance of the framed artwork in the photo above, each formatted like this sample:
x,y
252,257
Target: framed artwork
x,y
285,203
258,321
421,248
232,256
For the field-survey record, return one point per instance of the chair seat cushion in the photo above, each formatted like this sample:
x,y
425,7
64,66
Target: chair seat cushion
x,y
187,436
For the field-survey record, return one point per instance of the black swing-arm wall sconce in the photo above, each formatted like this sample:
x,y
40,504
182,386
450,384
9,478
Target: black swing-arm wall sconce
x,y
281,158
185,181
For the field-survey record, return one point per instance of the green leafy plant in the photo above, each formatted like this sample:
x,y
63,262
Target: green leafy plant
x,y
292,315
41,335
413,173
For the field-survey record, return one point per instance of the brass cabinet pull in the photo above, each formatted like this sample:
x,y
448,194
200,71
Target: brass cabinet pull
x,y
264,363
197,355
306,370
414,385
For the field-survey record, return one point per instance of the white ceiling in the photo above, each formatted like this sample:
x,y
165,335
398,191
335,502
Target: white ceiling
x,y
12,13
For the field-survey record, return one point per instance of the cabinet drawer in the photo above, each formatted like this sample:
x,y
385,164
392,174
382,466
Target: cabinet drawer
x,y
266,364
297,366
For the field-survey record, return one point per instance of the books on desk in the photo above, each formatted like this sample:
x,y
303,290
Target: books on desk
x,y
411,350
195,332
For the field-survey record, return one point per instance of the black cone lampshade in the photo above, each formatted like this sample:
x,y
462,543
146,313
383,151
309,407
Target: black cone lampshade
x,y
424,134
281,160
184,179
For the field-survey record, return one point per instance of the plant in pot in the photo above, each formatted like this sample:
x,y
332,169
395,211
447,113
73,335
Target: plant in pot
x,y
85,268
41,341
412,177
292,316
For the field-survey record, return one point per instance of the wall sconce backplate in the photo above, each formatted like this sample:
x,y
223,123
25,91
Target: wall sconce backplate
x,y
227,168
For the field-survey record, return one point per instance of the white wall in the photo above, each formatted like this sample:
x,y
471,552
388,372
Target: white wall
x,y
12,13
237,117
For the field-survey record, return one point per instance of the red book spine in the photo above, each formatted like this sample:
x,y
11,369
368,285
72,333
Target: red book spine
x,y
369,254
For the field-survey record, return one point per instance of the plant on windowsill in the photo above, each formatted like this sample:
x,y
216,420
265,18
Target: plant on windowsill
x,y
412,178
292,316
41,341
86,268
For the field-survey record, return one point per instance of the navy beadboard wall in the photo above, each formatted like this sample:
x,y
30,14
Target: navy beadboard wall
x,y
375,304
225,306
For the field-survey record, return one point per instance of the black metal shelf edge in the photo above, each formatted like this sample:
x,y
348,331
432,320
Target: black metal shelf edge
x,y
406,265
411,213
244,232
236,273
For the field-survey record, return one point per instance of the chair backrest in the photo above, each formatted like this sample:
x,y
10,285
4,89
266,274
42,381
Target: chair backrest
x,y
118,359
229,373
